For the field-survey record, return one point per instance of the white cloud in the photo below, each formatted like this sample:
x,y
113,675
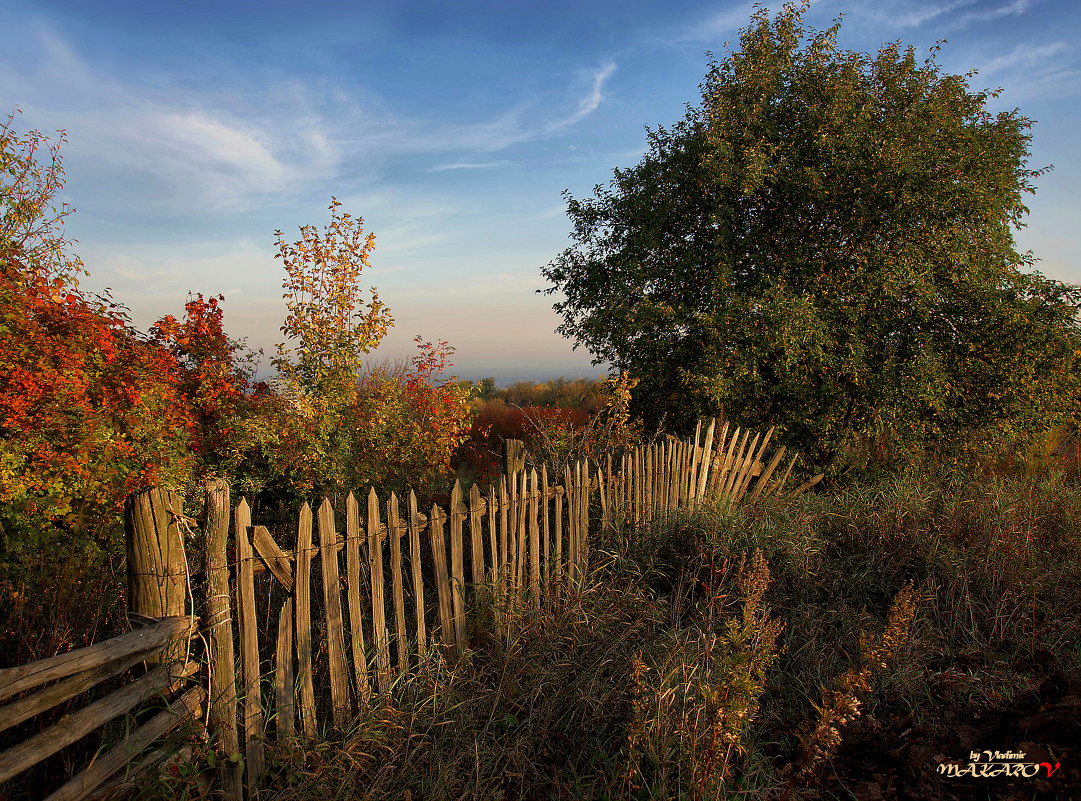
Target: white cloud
x,y
952,15
1025,56
723,24
466,166
1014,8
588,104
912,16
554,211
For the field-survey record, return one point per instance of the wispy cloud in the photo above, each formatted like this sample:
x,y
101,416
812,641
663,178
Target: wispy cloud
x,y
547,214
589,103
951,16
466,166
1025,55
1011,9
725,23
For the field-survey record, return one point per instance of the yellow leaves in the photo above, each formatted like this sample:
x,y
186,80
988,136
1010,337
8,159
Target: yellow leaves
x,y
326,314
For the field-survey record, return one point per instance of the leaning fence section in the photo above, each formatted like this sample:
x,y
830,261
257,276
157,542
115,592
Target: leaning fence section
x,y
31,690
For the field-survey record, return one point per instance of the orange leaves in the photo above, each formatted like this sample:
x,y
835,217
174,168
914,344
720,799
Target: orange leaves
x,y
89,405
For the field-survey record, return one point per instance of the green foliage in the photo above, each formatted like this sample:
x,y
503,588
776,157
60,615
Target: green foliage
x,y
826,243
486,388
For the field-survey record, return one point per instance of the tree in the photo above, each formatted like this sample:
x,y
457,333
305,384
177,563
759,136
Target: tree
x,y
335,430
32,244
214,374
327,317
89,410
826,242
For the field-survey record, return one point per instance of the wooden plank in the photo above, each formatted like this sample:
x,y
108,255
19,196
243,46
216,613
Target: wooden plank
x,y
671,465
755,462
763,480
105,765
302,594
626,485
641,495
724,456
705,461
686,481
340,703
401,636
739,464
504,544
731,459
513,456
779,485
682,447
442,579
734,472
521,540
534,541
648,484
379,616
273,557
284,710
657,476
572,523
218,623
252,714
79,724
605,482
160,760
356,614
27,707
153,637
696,464
546,536
476,547
512,538
694,455
493,537
610,485
679,472
807,485
557,558
744,474
415,569
457,566
583,532
662,467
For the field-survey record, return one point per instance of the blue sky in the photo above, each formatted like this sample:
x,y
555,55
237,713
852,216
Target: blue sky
x,y
196,129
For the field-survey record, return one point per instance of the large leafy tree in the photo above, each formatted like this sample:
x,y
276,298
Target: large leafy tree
x,y
826,242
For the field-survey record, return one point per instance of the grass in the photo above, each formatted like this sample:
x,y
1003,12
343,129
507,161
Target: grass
x,y
746,652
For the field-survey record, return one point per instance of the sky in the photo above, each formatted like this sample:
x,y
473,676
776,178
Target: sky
x,y
196,129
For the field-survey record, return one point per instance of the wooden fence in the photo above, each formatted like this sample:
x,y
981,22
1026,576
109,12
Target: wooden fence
x,y
413,582
303,659
72,674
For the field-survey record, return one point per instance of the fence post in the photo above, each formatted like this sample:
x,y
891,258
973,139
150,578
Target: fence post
x,y
513,456
157,570
218,624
